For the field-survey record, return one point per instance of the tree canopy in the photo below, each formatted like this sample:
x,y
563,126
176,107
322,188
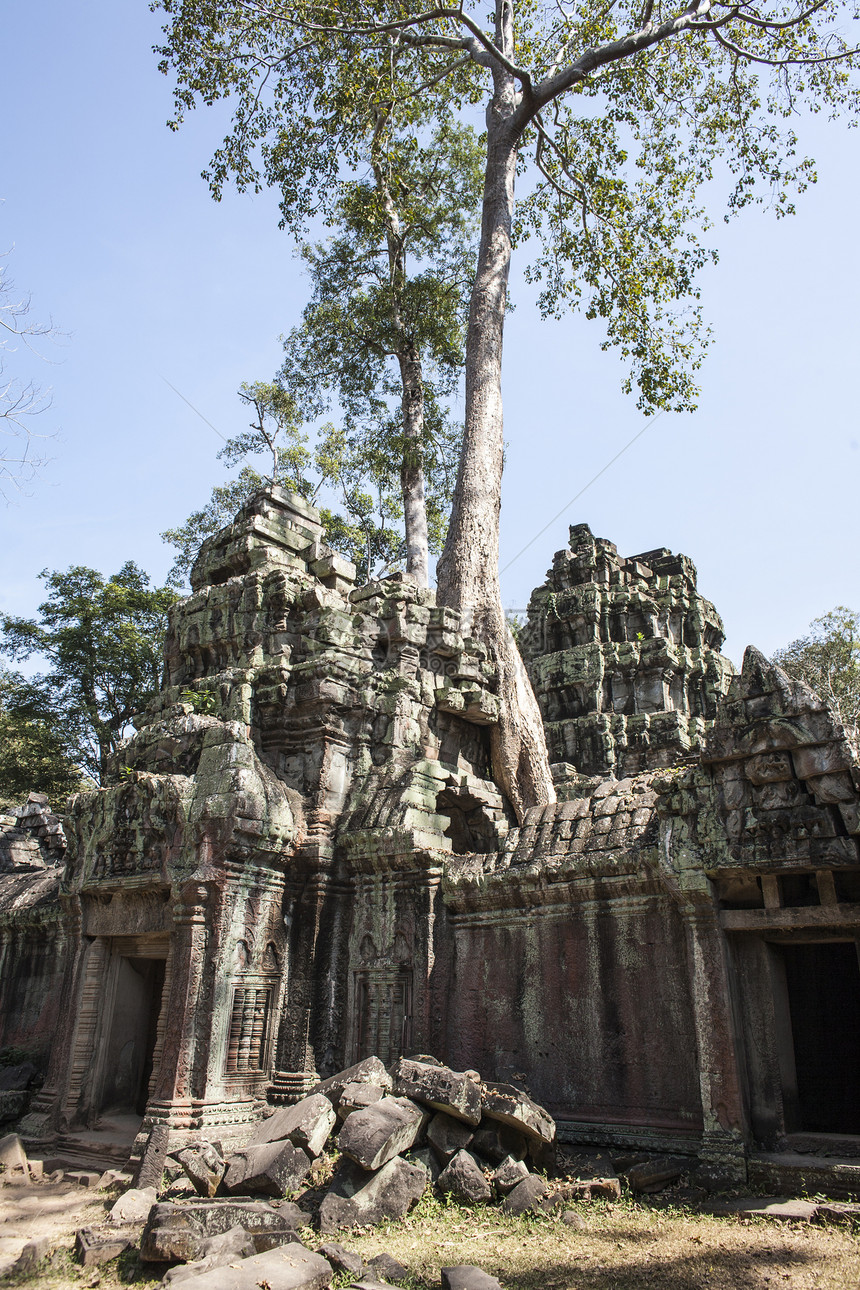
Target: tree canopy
x,y
102,639
827,658
38,753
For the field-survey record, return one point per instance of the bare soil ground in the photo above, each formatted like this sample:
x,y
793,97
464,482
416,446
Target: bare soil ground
x,y
622,1245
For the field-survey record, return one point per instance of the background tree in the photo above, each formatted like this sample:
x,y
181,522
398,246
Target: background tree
x,y
102,639
38,753
384,331
356,472
828,660
20,400
622,110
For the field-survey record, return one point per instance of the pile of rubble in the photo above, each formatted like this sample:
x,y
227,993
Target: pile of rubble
x,y
31,836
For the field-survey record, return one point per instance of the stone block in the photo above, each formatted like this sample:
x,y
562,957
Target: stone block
x,y
658,1172
289,1267
12,1153
820,760
525,1196
447,1136
425,1158
270,1169
497,1141
390,1193
510,1106
176,1232
151,1167
368,1071
204,1166
214,1252
465,1276
774,1207
382,1131
99,1245
456,1092
384,1267
307,1124
342,1260
133,1206
356,1097
508,1175
464,1178
17,1078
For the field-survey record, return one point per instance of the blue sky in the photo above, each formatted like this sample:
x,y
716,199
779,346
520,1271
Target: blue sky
x,y
117,239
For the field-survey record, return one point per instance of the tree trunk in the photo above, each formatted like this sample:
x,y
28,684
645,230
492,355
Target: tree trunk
x,y
467,574
412,401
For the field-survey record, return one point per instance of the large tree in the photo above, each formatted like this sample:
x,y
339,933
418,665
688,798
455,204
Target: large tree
x,y
622,109
102,639
827,658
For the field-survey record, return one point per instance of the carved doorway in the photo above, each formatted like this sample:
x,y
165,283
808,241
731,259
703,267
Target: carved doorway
x,y
383,1013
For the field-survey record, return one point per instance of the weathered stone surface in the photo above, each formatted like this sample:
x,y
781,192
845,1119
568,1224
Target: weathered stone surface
x,y
464,1178
426,1159
508,1175
151,1167
214,1252
390,1193
369,1071
465,1276
176,1232
379,1132
17,1077
99,1245
497,1141
775,1207
307,1124
204,1167
12,1153
659,1172
525,1196
384,1267
509,1105
270,1169
570,1218
456,1092
133,1206
447,1136
286,1268
356,1096
342,1260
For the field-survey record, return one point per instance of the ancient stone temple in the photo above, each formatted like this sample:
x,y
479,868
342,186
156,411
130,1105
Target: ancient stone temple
x,y
302,858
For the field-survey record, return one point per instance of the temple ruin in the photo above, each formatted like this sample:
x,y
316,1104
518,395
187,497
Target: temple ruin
x,y
301,858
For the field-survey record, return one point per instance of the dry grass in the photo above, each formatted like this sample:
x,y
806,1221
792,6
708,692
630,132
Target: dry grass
x,y
620,1246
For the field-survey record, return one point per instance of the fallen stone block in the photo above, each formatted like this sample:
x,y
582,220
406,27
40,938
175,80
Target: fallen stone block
x,y
151,1168
99,1245
464,1179
447,1136
214,1252
496,1141
177,1232
84,1177
12,1153
31,1255
510,1106
271,1169
369,1071
382,1131
290,1267
467,1277
525,1195
426,1160
17,1078
385,1267
390,1193
508,1175
203,1166
570,1218
656,1173
456,1092
364,1284
775,1207
355,1097
134,1206
306,1125
838,1212
342,1260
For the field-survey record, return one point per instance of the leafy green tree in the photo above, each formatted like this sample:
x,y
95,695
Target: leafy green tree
x,y
828,660
620,112
385,327
38,753
102,639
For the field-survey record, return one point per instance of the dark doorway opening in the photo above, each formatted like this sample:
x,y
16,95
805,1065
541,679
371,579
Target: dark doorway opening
x,y
132,1034
823,983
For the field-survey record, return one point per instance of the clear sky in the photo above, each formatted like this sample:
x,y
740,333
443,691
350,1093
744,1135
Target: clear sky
x,y
117,239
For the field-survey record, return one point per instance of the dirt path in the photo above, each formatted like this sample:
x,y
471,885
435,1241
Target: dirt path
x,y
44,1211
